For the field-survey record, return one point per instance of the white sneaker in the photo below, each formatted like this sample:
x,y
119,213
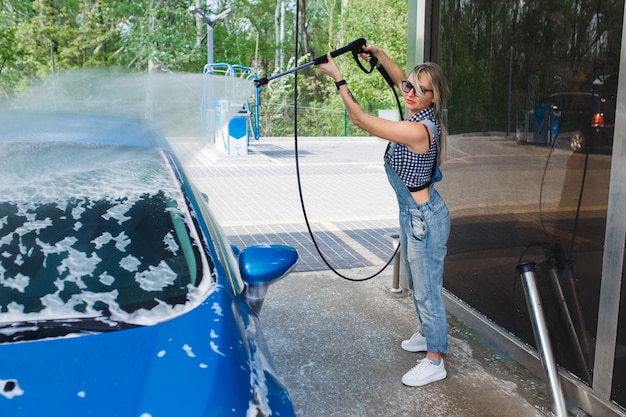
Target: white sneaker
x,y
417,343
424,373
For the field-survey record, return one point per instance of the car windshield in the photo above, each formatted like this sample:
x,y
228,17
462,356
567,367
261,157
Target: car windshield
x,y
94,231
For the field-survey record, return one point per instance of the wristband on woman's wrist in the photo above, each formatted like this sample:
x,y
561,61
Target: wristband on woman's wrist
x,y
340,83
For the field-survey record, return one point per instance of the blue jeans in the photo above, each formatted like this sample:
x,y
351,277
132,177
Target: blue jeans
x,y
424,231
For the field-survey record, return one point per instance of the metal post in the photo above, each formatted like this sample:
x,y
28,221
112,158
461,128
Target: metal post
x,y
209,44
394,238
569,323
210,22
542,338
395,284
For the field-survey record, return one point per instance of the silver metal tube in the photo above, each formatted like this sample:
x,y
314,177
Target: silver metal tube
x,y
394,238
569,323
395,285
544,347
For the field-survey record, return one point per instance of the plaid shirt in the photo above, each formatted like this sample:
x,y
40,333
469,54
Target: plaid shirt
x,y
416,170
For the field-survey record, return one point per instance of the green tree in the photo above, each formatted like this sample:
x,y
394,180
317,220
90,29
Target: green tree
x,y
12,13
335,24
156,36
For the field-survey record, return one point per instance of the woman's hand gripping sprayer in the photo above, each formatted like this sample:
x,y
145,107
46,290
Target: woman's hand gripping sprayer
x,y
415,151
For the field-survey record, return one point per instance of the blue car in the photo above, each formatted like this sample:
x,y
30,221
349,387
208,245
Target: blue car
x,y
119,295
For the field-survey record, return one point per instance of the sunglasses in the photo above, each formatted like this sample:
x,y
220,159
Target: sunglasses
x,y
407,87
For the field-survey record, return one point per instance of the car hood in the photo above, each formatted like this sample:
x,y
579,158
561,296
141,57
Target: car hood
x,y
197,364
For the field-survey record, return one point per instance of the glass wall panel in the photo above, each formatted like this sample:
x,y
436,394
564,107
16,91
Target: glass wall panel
x,y
530,119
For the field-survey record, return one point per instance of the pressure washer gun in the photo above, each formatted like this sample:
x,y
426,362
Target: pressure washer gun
x,y
356,47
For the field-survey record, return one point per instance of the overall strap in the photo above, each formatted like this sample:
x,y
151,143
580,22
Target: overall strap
x,y
433,128
436,175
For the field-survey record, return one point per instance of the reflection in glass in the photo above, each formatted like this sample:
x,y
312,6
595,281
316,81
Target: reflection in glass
x,y
541,79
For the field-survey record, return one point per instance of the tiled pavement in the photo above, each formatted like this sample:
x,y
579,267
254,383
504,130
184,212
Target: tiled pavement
x,y
348,202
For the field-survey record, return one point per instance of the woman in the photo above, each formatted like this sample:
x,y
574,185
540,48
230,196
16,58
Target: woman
x,y
416,149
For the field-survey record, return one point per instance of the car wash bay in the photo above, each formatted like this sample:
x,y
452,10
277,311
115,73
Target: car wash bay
x,y
256,200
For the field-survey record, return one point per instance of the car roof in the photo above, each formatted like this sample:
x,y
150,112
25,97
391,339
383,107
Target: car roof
x,y
26,126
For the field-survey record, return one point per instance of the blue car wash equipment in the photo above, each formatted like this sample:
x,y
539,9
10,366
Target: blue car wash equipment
x,y
233,138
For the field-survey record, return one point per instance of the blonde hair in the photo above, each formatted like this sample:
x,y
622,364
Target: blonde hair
x,y
440,92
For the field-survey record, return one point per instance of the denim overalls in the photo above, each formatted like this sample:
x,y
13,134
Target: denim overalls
x,y
424,231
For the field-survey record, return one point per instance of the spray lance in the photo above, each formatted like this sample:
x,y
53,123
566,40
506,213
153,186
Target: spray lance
x,y
356,47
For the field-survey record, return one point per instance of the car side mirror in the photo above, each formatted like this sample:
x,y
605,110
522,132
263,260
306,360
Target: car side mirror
x,y
262,265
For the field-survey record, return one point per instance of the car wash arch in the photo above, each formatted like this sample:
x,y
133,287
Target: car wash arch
x,y
536,201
